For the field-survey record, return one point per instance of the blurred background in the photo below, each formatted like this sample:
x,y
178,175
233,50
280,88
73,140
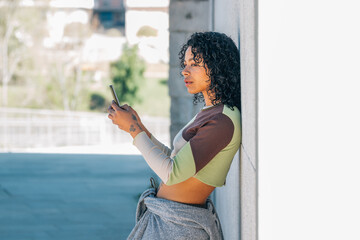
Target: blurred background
x,y
58,58
66,172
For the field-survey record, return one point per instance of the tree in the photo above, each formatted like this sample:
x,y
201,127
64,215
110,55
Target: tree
x,y
8,25
20,32
97,102
127,74
71,47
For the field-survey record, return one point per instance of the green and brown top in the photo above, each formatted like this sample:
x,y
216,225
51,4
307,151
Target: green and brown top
x,y
203,149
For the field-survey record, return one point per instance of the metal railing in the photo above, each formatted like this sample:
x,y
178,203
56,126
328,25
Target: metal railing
x,y
33,128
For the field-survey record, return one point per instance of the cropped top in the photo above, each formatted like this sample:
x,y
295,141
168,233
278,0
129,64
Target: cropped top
x,y
204,148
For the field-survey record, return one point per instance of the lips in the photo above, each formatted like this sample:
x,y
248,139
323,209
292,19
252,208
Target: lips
x,y
187,82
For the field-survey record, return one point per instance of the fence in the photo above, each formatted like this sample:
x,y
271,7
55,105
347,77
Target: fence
x,y
30,128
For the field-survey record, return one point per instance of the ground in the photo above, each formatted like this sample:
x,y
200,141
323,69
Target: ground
x,y
69,196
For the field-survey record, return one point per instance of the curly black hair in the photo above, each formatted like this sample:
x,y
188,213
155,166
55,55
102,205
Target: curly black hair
x,y
222,57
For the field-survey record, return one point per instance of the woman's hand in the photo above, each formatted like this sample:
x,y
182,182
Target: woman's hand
x,y
125,118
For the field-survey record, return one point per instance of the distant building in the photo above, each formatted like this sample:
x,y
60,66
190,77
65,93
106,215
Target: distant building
x,y
109,14
147,24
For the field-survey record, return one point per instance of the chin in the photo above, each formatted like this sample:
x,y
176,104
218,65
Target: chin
x,y
190,91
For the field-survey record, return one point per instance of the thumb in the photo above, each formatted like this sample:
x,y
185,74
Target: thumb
x,y
125,107
115,106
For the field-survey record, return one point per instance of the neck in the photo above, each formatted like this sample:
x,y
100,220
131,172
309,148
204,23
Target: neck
x,y
207,99
208,103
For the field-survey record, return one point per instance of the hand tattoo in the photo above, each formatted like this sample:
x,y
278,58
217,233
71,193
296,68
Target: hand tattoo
x,y
139,126
134,117
132,129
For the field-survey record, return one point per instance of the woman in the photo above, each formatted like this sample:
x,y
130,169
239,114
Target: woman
x,y
203,149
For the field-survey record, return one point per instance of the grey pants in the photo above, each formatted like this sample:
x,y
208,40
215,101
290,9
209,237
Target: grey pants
x,y
158,218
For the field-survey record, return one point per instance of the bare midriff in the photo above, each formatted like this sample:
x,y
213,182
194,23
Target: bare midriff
x,y
191,191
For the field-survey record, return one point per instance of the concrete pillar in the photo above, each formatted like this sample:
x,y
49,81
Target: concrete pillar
x,y
237,201
186,17
227,198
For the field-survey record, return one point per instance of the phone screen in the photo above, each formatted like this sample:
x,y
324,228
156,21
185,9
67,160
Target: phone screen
x,y
114,95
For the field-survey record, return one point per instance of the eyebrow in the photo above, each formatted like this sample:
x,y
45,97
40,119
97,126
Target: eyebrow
x,y
190,59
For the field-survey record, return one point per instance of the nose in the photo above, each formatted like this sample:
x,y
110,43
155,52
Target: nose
x,y
185,72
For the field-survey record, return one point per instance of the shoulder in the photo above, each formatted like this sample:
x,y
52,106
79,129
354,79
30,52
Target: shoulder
x,y
223,126
233,114
222,116
218,122
213,123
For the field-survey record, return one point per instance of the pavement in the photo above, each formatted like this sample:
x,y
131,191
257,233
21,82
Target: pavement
x,y
70,196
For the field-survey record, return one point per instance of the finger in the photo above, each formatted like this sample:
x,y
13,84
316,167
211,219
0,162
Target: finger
x,y
110,110
115,106
126,107
136,114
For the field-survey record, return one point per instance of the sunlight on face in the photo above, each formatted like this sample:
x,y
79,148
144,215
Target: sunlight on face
x,y
195,77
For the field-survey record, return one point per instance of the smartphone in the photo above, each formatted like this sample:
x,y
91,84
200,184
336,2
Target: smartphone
x,y
114,95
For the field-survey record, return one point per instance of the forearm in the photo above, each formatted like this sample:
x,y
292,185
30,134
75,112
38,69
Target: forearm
x,y
145,129
158,161
135,129
163,148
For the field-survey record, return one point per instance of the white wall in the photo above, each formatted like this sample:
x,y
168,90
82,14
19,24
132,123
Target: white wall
x,y
309,117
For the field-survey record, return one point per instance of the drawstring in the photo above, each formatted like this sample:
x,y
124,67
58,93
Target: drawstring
x,y
153,183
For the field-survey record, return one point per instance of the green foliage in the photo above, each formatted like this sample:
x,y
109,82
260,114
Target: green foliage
x,y
164,82
97,102
128,74
157,99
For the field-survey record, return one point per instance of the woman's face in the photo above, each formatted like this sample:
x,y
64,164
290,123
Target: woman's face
x,y
195,77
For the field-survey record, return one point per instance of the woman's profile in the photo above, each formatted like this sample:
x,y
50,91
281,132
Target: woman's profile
x,y
203,149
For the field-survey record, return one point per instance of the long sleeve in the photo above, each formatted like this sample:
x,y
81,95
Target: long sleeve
x,y
163,148
156,158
